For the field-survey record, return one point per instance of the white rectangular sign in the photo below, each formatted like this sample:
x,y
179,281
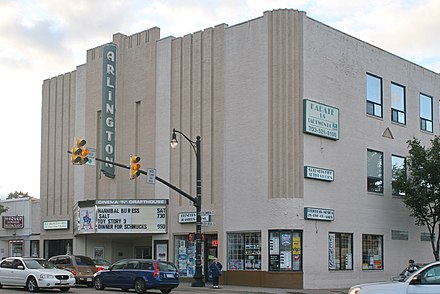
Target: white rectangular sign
x,y
191,217
131,219
317,173
321,120
319,213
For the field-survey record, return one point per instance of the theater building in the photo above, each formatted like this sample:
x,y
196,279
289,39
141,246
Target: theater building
x,y
300,125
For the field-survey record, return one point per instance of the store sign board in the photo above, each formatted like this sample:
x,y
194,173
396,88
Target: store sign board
x,y
318,173
13,222
56,225
131,219
321,120
318,214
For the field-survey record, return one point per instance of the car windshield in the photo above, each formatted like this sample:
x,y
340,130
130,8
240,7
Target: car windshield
x,y
101,262
38,264
166,266
84,260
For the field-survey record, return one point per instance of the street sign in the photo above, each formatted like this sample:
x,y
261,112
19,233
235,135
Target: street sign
x,y
151,175
91,156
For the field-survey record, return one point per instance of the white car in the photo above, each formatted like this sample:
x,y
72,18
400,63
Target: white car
x,y
425,280
33,274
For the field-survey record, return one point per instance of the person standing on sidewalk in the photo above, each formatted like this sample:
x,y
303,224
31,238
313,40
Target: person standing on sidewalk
x,y
216,271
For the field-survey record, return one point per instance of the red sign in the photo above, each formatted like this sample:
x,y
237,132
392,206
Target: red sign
x,y
214,243
13,222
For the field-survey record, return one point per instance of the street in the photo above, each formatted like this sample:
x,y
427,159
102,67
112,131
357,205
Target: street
x,y
184,288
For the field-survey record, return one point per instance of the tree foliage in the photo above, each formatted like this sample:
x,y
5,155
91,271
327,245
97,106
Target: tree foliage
x,y
17,194
420,184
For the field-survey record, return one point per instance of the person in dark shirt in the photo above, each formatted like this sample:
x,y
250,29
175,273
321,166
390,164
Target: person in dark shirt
x,y
412,266
216,271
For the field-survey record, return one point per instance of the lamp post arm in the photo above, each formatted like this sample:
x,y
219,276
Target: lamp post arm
x,y
193,144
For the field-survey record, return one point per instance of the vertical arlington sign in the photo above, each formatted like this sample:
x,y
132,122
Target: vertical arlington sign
x,y
108,108
321,120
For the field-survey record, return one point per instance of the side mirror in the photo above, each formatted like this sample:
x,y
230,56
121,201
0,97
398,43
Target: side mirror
x,y
416,280
110,267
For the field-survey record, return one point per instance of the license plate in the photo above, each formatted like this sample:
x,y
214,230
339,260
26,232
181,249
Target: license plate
x,y
170,276
89,279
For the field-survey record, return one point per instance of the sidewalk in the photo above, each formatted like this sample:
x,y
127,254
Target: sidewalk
x,y
245,289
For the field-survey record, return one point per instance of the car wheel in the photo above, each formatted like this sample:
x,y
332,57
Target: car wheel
x,y
165,291
64,289
32,285
99,283
139,286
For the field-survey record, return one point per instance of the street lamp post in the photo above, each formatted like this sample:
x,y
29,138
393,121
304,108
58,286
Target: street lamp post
x,y
198,277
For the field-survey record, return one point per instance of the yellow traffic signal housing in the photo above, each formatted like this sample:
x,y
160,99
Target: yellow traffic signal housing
x,y
79,152
134,167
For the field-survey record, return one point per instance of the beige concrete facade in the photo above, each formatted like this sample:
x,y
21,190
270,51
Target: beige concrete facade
x,y
241,88
20,231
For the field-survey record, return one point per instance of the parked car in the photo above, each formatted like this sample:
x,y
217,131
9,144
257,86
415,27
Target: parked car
x,y
140,275
405,273
425,280
33,274
101,264
82,267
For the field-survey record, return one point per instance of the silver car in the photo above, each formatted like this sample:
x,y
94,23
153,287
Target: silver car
x,y
425,280
33,274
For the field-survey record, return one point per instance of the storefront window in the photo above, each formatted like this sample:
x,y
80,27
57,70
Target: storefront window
x,y
340,251
285,252
185,255
35,248
16,247
244,251
372,249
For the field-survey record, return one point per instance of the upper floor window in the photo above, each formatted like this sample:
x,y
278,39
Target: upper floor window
x,y
398,165
398,103
425,113
374,171
374,95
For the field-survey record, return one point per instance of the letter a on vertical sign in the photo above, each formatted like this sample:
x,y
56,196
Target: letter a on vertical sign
x,y
108,108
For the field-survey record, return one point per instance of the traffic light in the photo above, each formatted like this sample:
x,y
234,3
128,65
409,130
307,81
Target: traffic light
x,y
79,152
134,167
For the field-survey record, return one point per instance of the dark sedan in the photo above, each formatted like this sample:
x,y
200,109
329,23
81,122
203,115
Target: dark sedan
x,y
140,275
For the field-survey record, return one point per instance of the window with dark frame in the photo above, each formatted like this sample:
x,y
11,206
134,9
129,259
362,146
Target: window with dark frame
x,y
285,250
372,248
398,103
340,251
425,113
374,95
244,251
398,165
374,171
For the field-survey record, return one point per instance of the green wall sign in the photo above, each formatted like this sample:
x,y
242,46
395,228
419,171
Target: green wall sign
x,y
108,108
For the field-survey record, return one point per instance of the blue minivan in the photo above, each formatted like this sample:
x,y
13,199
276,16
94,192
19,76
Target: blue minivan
x,y
138,274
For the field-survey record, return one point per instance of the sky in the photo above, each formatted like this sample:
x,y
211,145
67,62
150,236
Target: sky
x,y
40,39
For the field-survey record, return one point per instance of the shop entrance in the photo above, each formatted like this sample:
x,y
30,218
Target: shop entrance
x,y
211,249
57,247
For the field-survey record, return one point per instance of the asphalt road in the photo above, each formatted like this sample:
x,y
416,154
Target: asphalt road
x,y
86,290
